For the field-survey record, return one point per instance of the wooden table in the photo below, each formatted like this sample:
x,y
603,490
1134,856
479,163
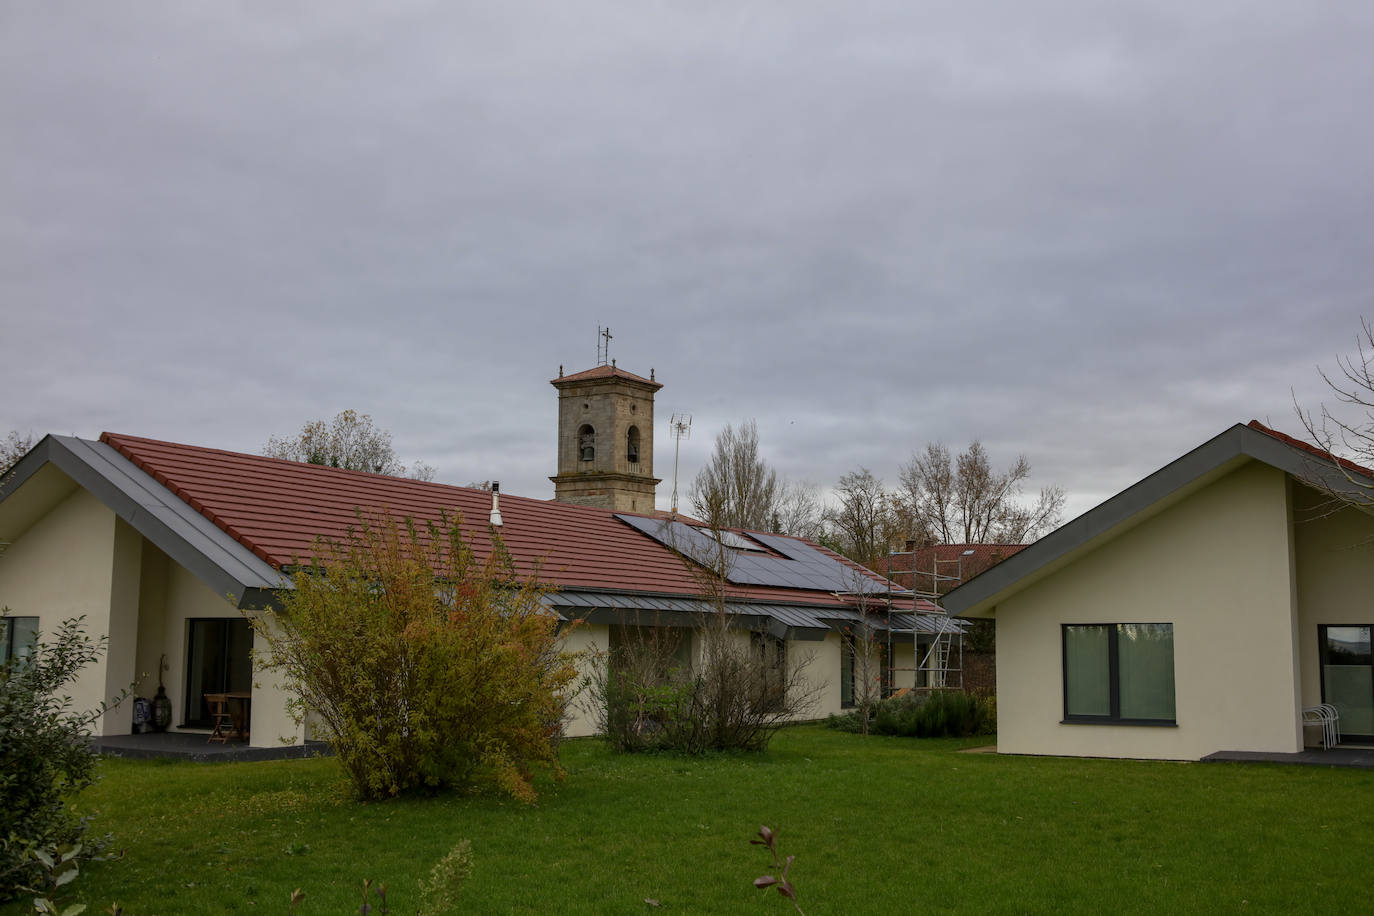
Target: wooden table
x,y
230,708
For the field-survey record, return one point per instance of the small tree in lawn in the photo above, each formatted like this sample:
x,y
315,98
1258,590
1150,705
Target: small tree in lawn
x,y
428,666
865,649
740,688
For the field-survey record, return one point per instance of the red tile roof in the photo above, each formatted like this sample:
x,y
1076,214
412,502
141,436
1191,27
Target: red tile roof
x,y
600,372
278,508
1312,449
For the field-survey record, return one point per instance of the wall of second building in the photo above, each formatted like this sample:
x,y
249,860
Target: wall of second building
x,y
1217,566
1334,549
818,681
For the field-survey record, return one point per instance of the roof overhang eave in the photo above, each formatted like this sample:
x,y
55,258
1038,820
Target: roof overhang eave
x,y
226,566
1205,464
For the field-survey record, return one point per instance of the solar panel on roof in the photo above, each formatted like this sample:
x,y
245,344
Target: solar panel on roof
x,y
800,566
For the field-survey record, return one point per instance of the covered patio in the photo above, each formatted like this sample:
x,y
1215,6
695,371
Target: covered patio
x,y
196,747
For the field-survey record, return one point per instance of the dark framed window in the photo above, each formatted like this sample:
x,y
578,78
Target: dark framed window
x,y
846,670
18,636
1347,666
771,653
1119,673
586,443
632,445
218,660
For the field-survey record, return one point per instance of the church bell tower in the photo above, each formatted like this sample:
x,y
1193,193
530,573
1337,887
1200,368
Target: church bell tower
x,y
606,439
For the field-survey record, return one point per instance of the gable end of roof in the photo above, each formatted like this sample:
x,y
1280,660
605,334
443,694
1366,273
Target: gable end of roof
x,y
1207,462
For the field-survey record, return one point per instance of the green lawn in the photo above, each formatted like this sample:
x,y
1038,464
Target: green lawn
x,y
878,825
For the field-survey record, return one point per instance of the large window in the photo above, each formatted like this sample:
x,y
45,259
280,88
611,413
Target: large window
x,y
1119,672
18,635
219,660
1348,677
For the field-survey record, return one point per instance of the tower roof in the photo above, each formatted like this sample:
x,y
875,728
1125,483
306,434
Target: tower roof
x,y
604,372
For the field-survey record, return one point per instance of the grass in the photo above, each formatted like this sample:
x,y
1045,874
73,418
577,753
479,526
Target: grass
x,y
878,825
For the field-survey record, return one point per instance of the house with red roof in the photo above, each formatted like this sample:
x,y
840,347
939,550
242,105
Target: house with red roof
x,y
165,547
1208,610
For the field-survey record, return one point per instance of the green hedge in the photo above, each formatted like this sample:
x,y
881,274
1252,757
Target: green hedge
x,y
937,714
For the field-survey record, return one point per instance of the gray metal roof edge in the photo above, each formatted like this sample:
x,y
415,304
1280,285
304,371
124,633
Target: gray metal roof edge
x,y
234,571
680,596
1107,519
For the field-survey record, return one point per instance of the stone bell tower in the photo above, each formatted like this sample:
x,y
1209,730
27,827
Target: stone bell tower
x,y
606,439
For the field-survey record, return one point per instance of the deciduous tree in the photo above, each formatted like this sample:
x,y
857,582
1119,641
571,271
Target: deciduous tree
x,y
737,488
1347,433
12,448
862,522
350,441
960,499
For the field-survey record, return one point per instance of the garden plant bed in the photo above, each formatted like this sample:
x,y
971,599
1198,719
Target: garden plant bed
x,y
878,825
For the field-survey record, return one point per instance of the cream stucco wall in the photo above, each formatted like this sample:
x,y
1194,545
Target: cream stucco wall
x,y
588,642
79,558
67,565
1216,565
1335,576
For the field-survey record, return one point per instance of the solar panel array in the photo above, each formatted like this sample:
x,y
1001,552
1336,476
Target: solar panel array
x,y
800,566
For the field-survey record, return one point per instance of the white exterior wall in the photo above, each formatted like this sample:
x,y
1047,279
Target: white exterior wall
x,y
64,566
1218,566
589,642
1335,576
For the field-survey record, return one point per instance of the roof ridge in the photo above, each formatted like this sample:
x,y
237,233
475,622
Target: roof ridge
x,y
1311,448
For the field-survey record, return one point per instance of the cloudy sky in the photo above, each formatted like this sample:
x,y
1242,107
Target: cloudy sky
x,y
1096,234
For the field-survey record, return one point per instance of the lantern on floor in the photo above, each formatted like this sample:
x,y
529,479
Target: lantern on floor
x,y
162,704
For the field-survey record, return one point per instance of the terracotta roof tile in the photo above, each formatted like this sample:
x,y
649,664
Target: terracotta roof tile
x,y
1312,449
278,508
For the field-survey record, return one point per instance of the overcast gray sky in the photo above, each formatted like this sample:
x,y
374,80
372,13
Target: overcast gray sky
x,y
1093,233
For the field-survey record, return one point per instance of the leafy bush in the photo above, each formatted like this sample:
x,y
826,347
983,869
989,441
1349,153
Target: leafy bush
x,y
427,666
937,714
45,756
734,695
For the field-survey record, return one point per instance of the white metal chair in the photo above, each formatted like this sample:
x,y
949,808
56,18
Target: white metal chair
x,y
1327,719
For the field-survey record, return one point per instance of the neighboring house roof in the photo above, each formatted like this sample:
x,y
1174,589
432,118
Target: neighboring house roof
x,y
954,564
237,520
1171,483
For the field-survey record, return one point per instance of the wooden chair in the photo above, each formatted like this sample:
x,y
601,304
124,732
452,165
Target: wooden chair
x,y
220,717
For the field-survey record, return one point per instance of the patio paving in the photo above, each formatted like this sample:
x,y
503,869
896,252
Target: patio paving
x,y
194,746
1359,757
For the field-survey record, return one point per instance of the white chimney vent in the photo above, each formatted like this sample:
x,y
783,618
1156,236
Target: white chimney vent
x,y
496,504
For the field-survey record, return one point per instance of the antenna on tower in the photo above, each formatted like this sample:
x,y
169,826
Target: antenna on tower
x,y
603,345
679,427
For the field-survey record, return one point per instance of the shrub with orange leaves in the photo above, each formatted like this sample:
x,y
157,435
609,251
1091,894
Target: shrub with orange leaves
x,y
426,666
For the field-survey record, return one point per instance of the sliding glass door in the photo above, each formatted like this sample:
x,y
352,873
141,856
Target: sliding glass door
x,y
1348,677
218,660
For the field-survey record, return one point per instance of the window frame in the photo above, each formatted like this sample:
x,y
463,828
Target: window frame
x,y
7,647
848,652
1114,717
